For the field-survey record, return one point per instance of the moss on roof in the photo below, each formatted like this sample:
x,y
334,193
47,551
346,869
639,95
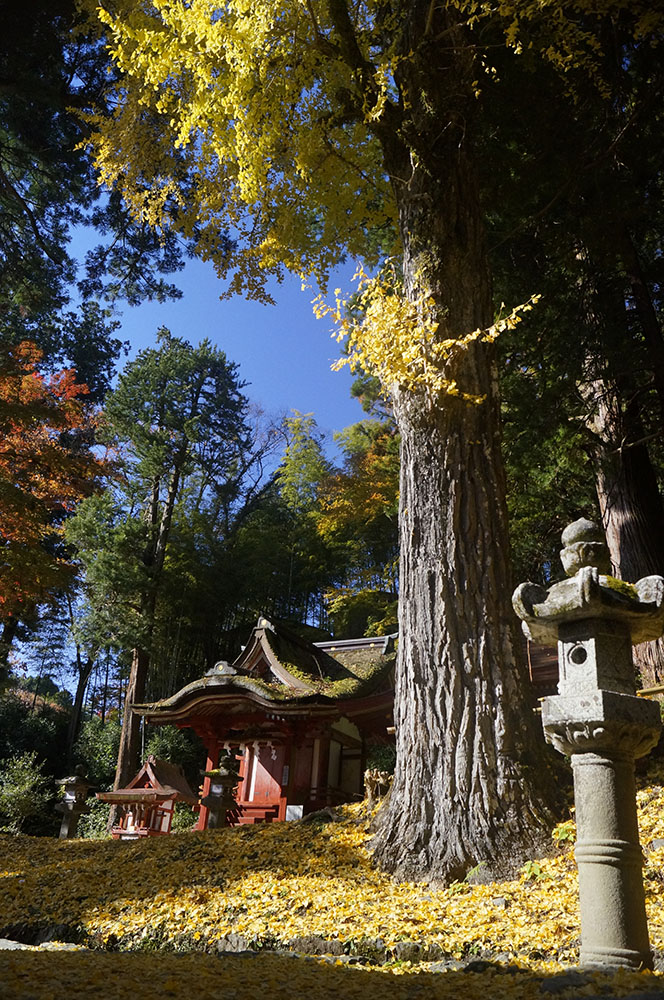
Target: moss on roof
x,y
353,673
323,673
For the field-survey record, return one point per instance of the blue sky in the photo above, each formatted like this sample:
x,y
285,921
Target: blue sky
x,y
283,351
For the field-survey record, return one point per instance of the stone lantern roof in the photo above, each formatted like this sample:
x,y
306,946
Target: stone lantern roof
x,y
590,593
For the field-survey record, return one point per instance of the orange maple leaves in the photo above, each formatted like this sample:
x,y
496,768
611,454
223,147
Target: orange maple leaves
x,y
45,468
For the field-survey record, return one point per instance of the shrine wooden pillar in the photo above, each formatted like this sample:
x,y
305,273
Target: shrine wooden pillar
x,y
286,772
319,768
213,748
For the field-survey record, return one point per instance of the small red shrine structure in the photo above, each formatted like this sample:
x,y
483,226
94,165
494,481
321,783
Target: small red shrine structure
x,y
298,715
145,806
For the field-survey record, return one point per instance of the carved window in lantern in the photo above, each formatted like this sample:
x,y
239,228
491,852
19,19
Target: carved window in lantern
x,y
578,655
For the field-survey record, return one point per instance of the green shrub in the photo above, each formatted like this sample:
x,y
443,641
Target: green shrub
x,y
180,746
41,728
184,817
25,795
93,824
97,750
382,757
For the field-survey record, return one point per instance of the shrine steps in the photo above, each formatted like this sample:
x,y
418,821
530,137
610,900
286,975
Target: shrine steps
x,y
249,813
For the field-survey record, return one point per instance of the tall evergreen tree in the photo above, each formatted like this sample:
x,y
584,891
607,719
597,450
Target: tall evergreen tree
x,y
177,411
588,235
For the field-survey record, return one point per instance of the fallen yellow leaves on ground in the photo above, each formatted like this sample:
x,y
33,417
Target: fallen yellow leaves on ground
x,y
270,884
45,975
283,885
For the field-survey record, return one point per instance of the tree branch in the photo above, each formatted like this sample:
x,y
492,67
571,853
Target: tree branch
x,y
7,185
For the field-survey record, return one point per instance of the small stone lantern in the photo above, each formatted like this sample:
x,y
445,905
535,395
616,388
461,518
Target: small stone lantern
x,y
73,804
221,796
598,720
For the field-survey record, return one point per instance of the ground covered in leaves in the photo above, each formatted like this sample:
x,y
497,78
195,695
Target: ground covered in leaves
x,y
305,888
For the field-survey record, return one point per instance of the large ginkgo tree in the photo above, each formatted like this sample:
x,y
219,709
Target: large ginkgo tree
x,y
285,134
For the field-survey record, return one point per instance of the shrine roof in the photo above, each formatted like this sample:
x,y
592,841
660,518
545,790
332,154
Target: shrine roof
x,y
157,781
146,795
171,777
279,667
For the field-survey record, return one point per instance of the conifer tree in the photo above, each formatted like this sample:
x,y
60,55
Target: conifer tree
x,y
177,411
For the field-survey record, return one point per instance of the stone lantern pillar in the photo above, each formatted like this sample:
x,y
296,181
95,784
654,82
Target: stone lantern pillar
x,y
598,720
73,805
221,796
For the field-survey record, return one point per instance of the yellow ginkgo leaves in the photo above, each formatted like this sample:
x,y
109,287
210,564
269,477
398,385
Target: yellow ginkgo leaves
x,y
397,338
271,885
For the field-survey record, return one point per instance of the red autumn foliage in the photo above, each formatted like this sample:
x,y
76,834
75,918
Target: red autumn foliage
x,y
44,471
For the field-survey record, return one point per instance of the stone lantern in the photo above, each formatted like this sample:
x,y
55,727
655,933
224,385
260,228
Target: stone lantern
x,y
221,794
598,720
73,804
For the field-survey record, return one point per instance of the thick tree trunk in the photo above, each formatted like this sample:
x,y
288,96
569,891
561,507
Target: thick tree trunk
x,y
629,500
467,787
469,784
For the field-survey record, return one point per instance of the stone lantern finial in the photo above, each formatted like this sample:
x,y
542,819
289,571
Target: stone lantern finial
x,y
584,545
590,592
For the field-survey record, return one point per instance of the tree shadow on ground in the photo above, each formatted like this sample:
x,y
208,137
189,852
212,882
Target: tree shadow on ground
x,y
33,975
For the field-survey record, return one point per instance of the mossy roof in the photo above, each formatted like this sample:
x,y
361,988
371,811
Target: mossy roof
x,y
352,671
279,666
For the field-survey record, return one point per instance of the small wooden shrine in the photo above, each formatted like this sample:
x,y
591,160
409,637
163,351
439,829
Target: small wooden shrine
x,y
297,715
146,805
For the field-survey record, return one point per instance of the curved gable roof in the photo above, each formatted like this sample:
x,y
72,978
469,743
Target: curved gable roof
x,y
277,666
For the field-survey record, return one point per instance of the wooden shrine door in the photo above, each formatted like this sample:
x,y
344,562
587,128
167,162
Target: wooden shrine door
x,y
262,793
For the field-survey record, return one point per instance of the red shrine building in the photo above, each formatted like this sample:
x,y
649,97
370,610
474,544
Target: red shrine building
x,y
298,716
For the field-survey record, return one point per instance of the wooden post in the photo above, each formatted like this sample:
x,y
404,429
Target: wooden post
x,y
213,750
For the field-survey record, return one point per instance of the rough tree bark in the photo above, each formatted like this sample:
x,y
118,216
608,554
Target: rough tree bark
x,y
466,783
469,784
130,738
629,498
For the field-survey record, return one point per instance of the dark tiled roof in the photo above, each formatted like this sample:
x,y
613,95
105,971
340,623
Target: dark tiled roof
x,y
341,670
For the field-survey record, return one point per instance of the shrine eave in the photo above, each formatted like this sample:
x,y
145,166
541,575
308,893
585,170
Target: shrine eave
x,y
210,703
217,699
145,795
